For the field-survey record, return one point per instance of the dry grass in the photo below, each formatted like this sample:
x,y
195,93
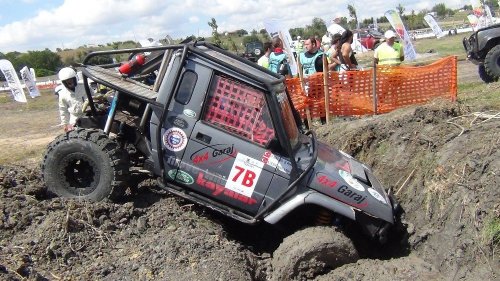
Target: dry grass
x,y
26,129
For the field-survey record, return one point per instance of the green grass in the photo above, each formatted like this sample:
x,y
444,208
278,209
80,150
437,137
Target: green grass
x,y
47,99
491,232
445,46
480,95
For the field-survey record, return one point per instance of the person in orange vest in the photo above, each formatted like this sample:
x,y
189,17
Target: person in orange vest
x,y
390,52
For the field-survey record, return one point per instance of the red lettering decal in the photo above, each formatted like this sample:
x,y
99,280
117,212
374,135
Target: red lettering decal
x,y
240,171
218,189
325,181
248,179
200,158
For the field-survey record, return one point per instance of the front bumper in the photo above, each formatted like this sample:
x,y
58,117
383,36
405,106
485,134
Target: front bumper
x,y
470,50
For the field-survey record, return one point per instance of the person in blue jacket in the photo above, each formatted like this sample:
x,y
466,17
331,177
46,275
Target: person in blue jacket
x,y
312,59
278,60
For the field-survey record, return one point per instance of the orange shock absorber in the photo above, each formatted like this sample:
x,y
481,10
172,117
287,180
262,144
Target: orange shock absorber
x,y
324,217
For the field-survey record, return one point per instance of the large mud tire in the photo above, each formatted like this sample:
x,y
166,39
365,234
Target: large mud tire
x,y
310,252
485,76
492,63
85,164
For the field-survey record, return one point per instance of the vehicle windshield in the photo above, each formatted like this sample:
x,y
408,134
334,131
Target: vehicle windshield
x,y
290,126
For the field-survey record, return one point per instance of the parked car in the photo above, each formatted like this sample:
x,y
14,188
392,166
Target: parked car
x,y
370,38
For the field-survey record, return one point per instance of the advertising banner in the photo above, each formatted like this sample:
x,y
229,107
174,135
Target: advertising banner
x,y
29,81
400,29
12,80
431,21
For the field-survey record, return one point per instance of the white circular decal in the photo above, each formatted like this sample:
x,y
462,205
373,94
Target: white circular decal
x,y
174,139
351,181
377,195
189,113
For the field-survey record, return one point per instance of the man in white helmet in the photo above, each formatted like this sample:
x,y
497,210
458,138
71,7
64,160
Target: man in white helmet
x,y
71,98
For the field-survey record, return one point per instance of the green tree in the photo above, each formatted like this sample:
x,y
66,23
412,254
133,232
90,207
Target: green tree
x,y
400,9
241,32
441,10
253,37
215,35
353,23
317,28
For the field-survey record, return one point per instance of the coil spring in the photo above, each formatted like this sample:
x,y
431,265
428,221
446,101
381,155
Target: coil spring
x,y
325,217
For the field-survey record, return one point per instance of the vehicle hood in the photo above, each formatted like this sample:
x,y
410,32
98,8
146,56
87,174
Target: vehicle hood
x,y
345,179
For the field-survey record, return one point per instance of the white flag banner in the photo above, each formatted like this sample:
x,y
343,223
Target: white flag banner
x,y
335,29
33,74
12,80
29,81
431,21
275,28
400,29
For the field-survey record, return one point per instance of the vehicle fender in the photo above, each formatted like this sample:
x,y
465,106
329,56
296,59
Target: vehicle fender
x,y
310,197
488,38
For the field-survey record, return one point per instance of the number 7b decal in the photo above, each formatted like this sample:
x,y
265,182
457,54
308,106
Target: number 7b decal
x,y
244,175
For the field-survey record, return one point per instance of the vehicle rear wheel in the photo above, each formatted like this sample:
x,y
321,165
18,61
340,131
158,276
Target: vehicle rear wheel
x,y
85,164
492,63
310,252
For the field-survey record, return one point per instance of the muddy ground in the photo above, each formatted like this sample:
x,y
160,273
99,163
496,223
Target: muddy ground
x,y
442,160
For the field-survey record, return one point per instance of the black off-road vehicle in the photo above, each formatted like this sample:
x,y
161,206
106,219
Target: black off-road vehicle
x,y
483,49
253,51
216,129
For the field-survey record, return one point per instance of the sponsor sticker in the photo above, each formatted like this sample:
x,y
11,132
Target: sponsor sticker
x,y
219,153
181,176
377,195
179,122
351,181
285,166
348,196
244,175
175,139
325,181
189,113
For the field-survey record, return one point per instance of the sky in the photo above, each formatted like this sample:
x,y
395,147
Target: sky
x,y
35,25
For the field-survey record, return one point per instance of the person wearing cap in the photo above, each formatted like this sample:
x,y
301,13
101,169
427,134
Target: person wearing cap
x,y
389,52
71,98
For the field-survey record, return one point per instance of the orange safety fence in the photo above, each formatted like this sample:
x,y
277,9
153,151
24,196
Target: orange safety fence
x,y
351,93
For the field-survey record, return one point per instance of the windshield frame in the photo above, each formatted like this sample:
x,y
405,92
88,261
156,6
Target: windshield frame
x,y
285,125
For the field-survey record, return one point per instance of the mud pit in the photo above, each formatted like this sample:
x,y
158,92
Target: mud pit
x,y
444,171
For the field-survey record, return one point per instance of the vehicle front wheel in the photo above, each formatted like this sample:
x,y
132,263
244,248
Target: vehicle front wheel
x,y
86,164
492,63
310,252
485,76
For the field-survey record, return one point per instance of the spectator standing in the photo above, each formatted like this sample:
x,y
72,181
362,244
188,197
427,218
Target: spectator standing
x,y
390,52
312,59
346,56
278,62
264,60
71,98
333,54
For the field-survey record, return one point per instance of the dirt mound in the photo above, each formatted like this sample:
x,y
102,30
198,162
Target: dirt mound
x,y
443,163
441,160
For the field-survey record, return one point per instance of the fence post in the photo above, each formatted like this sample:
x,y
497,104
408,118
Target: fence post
x,y
327,94
375,99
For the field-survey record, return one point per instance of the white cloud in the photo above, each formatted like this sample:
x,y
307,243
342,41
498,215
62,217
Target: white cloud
x,y
77,22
